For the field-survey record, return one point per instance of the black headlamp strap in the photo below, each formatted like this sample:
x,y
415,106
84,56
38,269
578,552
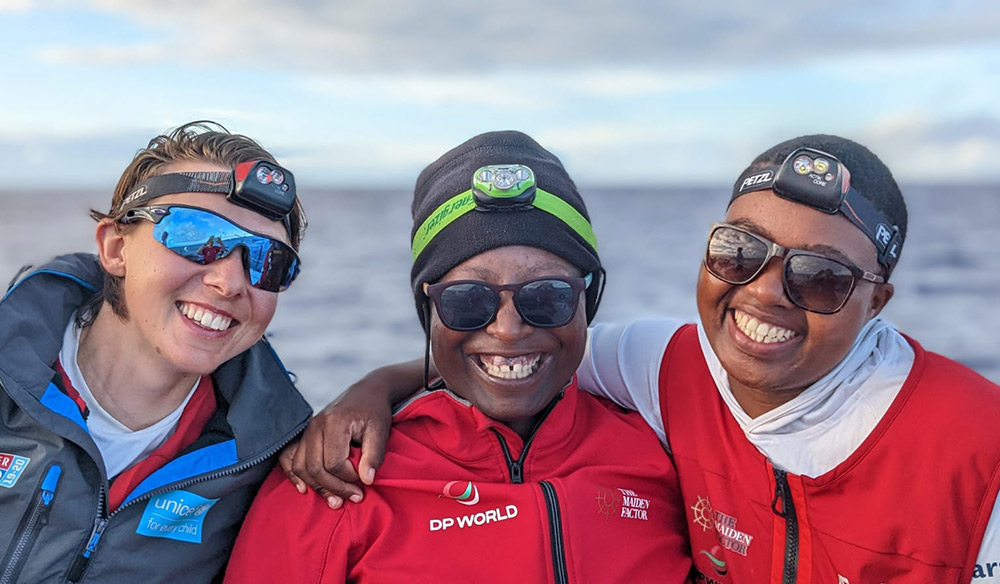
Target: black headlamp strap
x,y
178,182
872,223
258,185
859,210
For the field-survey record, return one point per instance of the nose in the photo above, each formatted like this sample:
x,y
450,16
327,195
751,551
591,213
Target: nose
x,y
768,287
227,275
508,325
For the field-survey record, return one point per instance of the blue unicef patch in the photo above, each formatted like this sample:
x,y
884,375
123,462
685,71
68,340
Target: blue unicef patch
x,y
11,467
176,515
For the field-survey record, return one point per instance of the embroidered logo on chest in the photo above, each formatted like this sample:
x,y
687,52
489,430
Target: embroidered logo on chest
x,y
623,503
178,515
11,467
730,537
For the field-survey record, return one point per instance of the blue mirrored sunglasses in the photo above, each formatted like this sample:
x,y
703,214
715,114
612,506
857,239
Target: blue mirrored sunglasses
x,y
203,237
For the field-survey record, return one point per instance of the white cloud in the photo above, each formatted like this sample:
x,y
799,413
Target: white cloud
x,y
917,147
16,5
103,55
443,35
427,90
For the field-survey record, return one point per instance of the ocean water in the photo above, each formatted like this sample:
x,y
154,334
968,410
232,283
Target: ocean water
x,y
352,310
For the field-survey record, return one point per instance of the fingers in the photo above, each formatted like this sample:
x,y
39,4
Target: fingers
x,y
286,460
321,462
373,439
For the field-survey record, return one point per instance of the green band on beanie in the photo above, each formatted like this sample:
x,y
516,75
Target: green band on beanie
x,y
462,203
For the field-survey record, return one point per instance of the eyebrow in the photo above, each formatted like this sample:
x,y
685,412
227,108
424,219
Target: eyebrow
x,y
815,247
547,269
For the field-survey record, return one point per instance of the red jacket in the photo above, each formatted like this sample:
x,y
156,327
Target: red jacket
x,y
599,503
909,506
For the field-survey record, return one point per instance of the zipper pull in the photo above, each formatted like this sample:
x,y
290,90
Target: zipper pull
x,y
48,493
515,473
780,493
80,565
50,484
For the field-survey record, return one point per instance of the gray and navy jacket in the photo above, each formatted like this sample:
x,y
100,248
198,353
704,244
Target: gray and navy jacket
x,y
179,524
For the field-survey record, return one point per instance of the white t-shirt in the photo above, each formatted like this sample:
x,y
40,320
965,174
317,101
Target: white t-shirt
x,y
809,435
120,446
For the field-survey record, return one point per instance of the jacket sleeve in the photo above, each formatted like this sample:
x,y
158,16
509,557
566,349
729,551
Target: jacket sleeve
x,y
290,537
622,363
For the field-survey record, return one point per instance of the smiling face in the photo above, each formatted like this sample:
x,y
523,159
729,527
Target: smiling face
x,y
183,316
510,370
803,346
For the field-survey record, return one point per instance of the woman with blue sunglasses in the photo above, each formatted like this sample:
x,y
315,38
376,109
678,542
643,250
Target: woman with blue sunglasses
x,y
141,406
501,470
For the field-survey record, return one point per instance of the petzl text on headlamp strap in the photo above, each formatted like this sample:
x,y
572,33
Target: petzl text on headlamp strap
x,y
464,202
853,205
178,182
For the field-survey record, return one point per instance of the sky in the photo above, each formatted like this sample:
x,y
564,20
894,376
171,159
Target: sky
x,y
630,92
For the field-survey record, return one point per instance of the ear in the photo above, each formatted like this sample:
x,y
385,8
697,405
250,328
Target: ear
x,y
111,247
880,297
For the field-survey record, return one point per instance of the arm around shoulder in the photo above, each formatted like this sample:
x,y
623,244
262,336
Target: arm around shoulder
x,y
361,415
289,538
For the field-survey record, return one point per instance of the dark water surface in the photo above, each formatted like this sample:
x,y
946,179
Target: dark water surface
x,y
352,309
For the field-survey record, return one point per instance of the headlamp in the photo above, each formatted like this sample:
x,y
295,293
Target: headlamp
x,y
817,179
261,186
504,187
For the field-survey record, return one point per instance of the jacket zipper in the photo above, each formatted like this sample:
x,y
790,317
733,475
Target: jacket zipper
x,y
83,560
516,468
38,516
784,507
555,527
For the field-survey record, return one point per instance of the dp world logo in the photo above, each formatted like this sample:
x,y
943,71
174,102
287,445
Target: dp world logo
x,y
463,492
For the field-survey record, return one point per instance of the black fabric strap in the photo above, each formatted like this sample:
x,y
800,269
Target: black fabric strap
x,y
178,182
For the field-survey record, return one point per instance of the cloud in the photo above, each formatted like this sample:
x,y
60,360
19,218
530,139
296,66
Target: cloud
x,y
16,5
917,147
105,55
424,90
452,35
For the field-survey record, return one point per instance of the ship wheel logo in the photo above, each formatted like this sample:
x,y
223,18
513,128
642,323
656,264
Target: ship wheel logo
x,y
703,513
607,500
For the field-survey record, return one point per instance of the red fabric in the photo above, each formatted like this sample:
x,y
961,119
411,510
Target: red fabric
x,y
70,390
198,410
616,493
909,506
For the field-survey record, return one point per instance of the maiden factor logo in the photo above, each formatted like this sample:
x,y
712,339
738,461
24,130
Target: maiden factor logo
x,y
622,503
724,525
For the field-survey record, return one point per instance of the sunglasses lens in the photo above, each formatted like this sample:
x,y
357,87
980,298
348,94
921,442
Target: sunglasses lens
x,y
734,256
547,303
816,283
467,306
204,237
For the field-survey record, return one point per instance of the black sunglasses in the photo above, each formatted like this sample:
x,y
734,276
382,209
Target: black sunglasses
x,y
812,281
468,305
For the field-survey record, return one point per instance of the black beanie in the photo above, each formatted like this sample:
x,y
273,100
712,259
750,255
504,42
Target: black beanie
x,y
476,232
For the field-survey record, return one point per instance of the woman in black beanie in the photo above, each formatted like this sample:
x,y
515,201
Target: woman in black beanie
x,y
501,470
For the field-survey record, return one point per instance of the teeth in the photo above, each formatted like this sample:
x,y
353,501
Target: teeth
x,y
205,318
761,332
510,368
